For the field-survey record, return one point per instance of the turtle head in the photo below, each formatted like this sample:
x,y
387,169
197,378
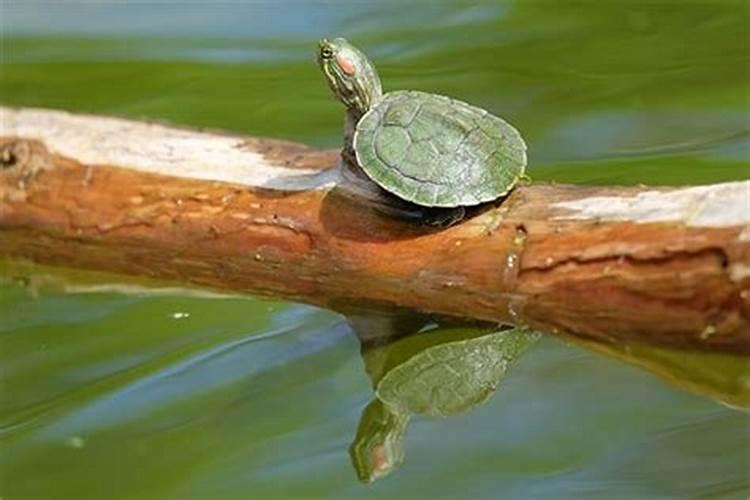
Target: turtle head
x,y
349,73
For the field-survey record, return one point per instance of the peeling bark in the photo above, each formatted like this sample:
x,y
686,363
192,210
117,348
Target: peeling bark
x,y
664,265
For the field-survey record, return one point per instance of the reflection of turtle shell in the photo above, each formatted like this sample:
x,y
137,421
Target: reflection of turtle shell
x,y
452,377
438,152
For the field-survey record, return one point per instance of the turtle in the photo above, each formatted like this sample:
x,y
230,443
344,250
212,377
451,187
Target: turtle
x,y
436,154
446,370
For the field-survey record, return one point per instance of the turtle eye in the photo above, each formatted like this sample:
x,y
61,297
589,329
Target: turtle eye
x,y
326,52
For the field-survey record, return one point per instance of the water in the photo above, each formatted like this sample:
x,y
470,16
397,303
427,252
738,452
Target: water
x,y
106,395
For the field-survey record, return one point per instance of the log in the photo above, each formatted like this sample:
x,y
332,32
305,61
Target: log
x,y
669,266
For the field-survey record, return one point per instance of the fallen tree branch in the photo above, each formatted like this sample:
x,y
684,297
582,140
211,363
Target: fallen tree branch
x,y
665,265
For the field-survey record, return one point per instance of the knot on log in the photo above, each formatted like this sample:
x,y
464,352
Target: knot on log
x,y
23,159
13,153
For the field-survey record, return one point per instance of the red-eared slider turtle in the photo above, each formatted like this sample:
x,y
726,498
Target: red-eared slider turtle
x,y
445,371
427,149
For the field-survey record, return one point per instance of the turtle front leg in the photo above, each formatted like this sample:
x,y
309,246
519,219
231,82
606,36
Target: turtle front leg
x,y
442,217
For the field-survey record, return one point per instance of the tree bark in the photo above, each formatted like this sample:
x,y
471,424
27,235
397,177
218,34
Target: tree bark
x,y
669,266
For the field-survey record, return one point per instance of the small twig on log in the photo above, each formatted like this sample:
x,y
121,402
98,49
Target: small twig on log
x,y
665,265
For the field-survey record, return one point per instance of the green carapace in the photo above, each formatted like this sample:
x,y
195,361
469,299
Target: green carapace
x,y
426,149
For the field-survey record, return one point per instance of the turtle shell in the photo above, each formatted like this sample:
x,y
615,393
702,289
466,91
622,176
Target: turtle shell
x,y
438,152
453,377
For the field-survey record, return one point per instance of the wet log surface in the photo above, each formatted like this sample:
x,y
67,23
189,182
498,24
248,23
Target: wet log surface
x,y
669,266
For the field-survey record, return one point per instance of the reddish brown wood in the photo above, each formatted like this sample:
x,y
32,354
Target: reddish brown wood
x,y
666,283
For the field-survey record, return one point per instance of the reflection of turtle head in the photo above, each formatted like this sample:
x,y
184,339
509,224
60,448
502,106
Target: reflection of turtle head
x,y
378,447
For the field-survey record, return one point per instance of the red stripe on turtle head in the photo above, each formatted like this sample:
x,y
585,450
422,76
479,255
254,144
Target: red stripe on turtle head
x,y
345,65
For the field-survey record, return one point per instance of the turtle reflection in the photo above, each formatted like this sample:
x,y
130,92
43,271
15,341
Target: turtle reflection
x,y
442,370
